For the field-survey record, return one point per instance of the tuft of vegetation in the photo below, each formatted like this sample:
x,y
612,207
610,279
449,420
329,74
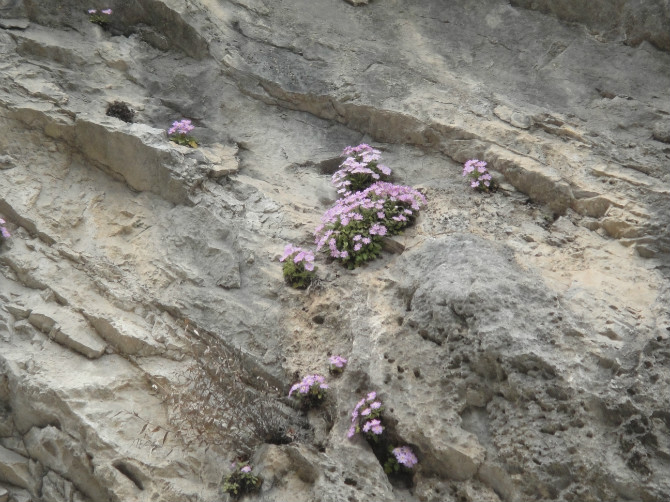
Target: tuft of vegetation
x,y
100,17
298,269
367,419
121,111
221,400
310,392
180,133
479,177
241,481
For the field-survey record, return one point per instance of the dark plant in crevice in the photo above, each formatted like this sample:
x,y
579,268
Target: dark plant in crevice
x,y
222,399
100,17
121,111
241,481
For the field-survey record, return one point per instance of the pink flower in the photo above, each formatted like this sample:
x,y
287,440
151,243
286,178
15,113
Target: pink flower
x,y
92,11
246,469
405,456
338,361
309,384
374,426
106,11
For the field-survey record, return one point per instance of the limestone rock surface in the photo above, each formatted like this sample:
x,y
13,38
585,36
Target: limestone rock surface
x,y
519,340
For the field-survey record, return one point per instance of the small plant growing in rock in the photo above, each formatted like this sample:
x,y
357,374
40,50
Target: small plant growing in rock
x,y
100,17
298,269
179,133
337,364
4,233
400,458
401,205
360,169
354,227
479,177
366,418
311,391
121,111
241,481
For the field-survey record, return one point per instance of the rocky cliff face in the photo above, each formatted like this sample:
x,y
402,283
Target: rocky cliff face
x,y
520,340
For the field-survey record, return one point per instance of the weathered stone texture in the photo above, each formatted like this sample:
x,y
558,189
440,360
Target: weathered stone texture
x,y
518,340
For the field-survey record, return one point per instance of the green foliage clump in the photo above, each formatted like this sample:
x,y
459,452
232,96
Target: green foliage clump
x,y
354,227
299,270
241,481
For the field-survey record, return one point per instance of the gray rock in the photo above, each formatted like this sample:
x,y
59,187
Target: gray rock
x,y
662,131
634,21
517,339
55,488
68,329
6,162
15,469
512,117
56,451
12,8
497,332
14,24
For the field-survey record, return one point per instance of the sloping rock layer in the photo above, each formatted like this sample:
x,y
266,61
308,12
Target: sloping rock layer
x,y
520,340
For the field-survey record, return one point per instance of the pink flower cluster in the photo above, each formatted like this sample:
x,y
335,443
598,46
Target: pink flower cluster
x,y
476,170
405,456
375,208
183,126
106,12
311,383
365,417
359,169
337,362
299,255
3,231
400,193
